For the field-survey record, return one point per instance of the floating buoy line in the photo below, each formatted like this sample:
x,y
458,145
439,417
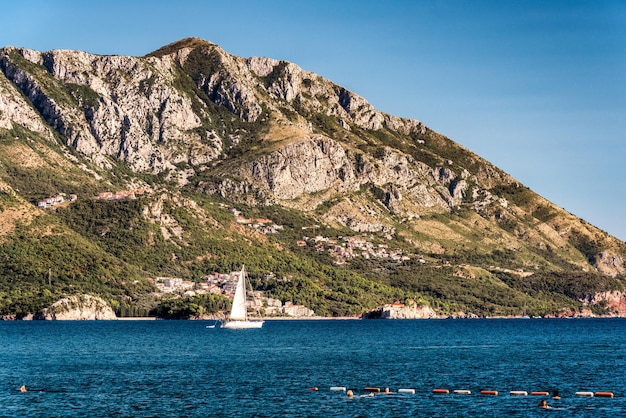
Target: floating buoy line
x,y
486,392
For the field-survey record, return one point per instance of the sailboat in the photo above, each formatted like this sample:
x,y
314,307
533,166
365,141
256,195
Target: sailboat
x,y
238,318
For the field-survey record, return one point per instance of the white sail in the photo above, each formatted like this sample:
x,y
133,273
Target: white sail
x,y
239,311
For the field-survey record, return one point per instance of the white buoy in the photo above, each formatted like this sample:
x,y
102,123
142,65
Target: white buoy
x,y
587,394
518,393
338,388
462,392
411,391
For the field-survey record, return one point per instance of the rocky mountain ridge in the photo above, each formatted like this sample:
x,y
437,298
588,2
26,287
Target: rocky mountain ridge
x,y
197,123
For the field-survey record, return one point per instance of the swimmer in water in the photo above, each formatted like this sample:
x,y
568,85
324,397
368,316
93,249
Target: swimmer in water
x,y
544,404
23,388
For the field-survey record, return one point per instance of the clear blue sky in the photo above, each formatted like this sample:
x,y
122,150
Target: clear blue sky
x,y
536,87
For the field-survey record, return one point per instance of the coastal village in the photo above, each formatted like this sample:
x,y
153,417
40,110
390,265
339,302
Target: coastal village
x,y
224,284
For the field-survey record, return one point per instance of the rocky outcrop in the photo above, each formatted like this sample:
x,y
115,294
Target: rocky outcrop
x,y
78,307
15,110
401,311
614,302
308,166
609,263
316,163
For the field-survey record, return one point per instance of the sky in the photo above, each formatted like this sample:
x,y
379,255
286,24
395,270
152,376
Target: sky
x,y
536,87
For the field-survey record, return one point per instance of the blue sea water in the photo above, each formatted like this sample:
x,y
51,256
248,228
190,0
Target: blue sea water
x,y
182,368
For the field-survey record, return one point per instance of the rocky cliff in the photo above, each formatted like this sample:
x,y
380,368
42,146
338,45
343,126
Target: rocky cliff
x,y
401,311
78,307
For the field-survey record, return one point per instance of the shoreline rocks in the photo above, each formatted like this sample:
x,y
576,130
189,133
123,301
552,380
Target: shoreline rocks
x,y
399,310
77,307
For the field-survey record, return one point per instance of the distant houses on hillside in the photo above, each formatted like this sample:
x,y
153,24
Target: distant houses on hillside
x,y
49,202
347,248
55,200
224,284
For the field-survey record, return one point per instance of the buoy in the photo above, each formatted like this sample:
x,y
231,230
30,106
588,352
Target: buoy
x,y
518,393
489,392
338,388
540,393
441,391
604,394
313,389
462,392
587,394
411,391
372,389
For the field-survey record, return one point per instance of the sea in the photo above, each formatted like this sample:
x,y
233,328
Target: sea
x,y
287,368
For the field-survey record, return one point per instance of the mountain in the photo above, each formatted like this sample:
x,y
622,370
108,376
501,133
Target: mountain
x,y
212,160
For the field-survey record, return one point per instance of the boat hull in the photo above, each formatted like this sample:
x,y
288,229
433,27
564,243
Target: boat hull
x,y
242,324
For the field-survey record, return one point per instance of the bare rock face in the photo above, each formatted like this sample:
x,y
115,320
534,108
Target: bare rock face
x,y
125,107
79,307
317,163
314,164
609,263
615,301
15,110
135,108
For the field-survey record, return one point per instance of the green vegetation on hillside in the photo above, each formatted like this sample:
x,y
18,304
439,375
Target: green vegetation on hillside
x,y
43,261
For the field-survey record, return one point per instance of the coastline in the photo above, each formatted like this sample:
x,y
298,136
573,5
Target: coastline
x,y
330,318
312,318
137,318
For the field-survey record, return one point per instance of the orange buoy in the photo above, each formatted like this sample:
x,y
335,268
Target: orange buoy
x,y
489,392
313,389
372,389
539,393
604,394
441,391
